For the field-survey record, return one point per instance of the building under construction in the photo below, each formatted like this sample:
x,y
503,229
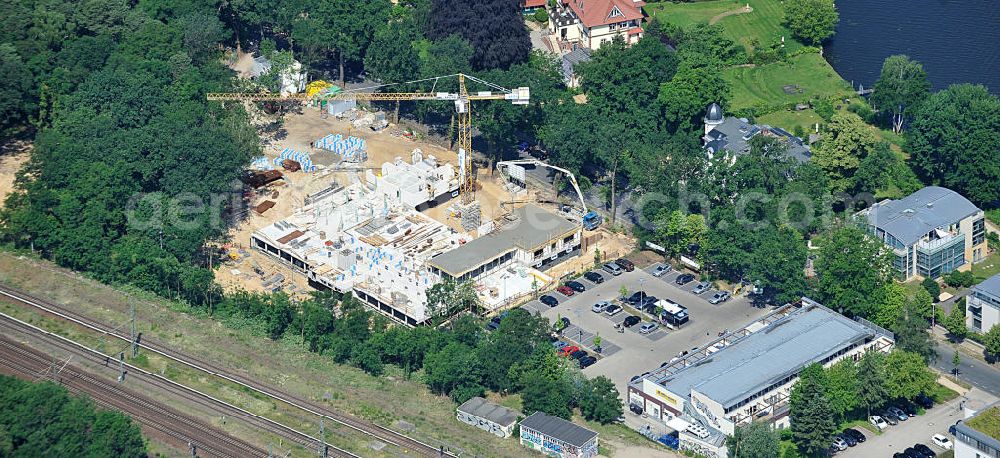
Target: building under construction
x,y
370,239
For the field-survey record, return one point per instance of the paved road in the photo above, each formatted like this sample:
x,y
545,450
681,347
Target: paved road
x,y
972,370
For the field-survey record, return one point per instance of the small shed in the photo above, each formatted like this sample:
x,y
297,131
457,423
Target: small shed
x,y
488,416
556,437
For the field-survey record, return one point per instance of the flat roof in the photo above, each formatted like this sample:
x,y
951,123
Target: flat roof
x,y
914,216
989,286
984,426
482,408
558,428
804,336
531,226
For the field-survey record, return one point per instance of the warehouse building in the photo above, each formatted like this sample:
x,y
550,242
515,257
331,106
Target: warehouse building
x,y
558,438
748,374
487,416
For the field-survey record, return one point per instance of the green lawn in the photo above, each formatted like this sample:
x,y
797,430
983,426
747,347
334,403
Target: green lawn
x,y
764,23
788,119
987,268
813,76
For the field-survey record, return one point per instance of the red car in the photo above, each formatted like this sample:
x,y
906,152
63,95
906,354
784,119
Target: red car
x,y
565,290
568,350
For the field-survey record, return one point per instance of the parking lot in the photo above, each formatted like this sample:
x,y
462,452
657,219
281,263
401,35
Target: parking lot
x,y
917,429
630,353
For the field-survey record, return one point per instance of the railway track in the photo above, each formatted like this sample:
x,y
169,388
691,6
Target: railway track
x,y
19,360
162,384
407,444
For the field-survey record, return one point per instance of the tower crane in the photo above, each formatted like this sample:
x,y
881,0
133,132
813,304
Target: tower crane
x,y
463,108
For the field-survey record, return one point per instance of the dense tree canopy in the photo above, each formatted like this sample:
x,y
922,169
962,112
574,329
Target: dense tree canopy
x,y
755,440
812,21
128,183
853,269
495,28
901,86
812,419
954,140
43,419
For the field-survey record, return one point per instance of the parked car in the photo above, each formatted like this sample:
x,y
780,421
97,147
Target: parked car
x,y
568,350
839,443
924,450
942,441
684,279
613,269
587,361
899,455
549,300
635,297
576,286
850,440
924,401
878,422
701,287
647,328
910,452
719,296
612,310
594,277
661,269
648,302
890,418
600,306
900,415
565,290
909,407
557,326
625,264
631,320
578,354
855,434
559,345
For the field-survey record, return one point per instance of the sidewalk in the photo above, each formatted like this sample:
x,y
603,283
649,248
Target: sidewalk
x,y
966,346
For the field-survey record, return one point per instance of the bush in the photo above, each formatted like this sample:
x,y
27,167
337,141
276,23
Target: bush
x,y
959,279
541,16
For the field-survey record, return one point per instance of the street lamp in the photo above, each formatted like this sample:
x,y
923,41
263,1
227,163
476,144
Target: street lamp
x,y
642,293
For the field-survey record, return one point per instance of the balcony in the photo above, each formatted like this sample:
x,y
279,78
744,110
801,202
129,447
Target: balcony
x,y
940,240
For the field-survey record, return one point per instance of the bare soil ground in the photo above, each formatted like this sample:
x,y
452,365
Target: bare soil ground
x,y
302,129
287,363
13,156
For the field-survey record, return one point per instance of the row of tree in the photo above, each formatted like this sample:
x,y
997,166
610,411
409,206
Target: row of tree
x,y
460,359
825,398
43,419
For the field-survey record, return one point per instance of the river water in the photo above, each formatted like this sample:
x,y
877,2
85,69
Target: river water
x,y
957,41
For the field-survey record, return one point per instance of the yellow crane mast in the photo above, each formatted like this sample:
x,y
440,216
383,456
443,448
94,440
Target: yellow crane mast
x,y
463,108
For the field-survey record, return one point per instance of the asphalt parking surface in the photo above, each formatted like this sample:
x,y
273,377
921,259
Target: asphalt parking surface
x,y
915,430
630,353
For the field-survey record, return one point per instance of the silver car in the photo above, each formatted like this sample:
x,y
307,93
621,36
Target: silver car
x,y
718,297
661,269
600,306
701,287
647,328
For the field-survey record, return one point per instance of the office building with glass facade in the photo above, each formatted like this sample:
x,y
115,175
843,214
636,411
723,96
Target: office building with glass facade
x,y
931,232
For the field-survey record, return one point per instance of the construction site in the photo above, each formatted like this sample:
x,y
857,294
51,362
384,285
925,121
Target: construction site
x,y
346,201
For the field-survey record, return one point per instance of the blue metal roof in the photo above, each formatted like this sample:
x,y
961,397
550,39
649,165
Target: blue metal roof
x,y
990,286
914,216
747,366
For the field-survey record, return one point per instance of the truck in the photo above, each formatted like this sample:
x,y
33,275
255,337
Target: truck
x,y
591,220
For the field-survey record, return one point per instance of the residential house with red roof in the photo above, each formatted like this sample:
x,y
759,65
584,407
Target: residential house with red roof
x,y
593,23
